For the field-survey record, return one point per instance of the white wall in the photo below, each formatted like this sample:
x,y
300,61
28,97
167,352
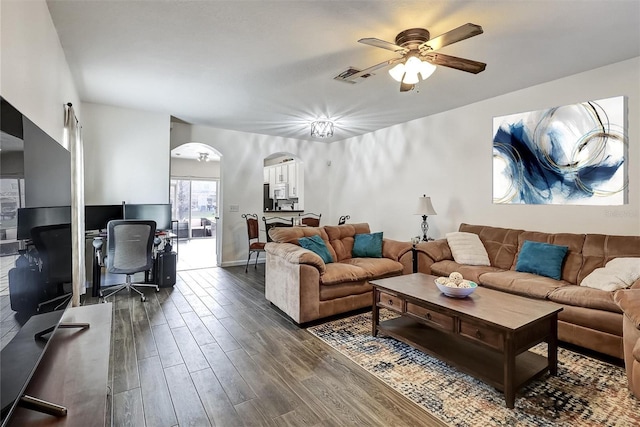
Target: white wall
x,y
242,178
188,168
35,76
378,177
126,154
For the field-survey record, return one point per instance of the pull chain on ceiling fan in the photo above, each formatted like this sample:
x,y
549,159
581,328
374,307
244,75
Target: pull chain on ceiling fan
x,y
419,58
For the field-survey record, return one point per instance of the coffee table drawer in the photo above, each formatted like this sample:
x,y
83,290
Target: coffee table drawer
x,y
440,320
483,334
391,302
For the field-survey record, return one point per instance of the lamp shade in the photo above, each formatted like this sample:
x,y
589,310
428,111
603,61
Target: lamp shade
x,y
424,206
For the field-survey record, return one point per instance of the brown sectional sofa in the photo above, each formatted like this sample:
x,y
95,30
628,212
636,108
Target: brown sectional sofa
x,y
300,284
590,318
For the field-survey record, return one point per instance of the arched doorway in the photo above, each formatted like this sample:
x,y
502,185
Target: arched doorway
x,y
195,198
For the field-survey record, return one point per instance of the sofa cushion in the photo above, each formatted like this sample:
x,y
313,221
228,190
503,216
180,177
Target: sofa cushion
x,y
316,245
467,248
619,273
599,249
346,289
585,297
541,258
469,272
501,243
377,268
339,272
367,245
341,238
526,284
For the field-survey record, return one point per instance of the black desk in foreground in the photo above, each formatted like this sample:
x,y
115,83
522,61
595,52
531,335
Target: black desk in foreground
x,y
73,372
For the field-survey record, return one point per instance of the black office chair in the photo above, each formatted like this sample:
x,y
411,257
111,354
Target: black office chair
x,y
275,221
310,219
129,251
53,244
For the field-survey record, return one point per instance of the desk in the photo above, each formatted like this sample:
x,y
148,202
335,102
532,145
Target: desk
x,y
97,268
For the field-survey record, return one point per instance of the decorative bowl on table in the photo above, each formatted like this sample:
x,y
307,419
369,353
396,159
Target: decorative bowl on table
x,y
461,290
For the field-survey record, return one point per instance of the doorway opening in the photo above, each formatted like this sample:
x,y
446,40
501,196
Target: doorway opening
x,y
195,214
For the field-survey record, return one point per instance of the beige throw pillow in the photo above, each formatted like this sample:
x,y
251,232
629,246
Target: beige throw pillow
x,y
467,248
619,273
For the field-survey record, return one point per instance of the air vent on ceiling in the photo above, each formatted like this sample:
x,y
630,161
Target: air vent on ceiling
x,y
349,72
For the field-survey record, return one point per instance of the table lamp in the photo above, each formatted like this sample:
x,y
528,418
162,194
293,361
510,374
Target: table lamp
x,y
425,208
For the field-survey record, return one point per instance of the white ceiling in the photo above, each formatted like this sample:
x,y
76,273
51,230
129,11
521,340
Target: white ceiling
x,y
268,66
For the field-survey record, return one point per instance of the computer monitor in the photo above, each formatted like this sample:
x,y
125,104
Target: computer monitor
x,y
29,218
96,217
160,213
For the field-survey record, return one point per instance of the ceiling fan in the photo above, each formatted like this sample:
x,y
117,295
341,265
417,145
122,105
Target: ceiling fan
x,y
419,58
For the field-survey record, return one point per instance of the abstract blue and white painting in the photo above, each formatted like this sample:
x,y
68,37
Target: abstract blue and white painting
x,y
574,154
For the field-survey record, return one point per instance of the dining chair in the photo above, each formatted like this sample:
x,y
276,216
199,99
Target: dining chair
x,y
253,234
275,221
343,219
310,219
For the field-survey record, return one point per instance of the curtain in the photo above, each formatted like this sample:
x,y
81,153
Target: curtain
x,y
73,141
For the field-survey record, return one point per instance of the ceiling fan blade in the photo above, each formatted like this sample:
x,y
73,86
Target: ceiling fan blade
x,y
457,34
404,87
462,64
371,41
372,68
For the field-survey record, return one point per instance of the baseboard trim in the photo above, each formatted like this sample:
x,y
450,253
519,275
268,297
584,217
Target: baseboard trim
x,y
241,262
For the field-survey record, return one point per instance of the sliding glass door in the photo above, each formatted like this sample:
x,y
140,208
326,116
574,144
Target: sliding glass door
x,y
195,208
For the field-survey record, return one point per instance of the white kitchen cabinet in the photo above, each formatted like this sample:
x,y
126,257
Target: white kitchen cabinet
x,y
282,172
292,175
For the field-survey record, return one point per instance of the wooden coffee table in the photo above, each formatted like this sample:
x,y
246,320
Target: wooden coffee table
x,y
486,335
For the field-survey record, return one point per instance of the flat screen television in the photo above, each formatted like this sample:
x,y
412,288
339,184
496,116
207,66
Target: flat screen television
x,y
160,213
96,217
45,166
34,217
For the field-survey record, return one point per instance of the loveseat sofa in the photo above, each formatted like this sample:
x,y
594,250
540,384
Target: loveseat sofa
x,y
590,317
303,286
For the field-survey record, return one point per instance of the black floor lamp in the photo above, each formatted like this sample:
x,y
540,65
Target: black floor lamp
x,y
425,208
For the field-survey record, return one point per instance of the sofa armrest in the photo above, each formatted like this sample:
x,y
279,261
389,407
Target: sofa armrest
x,y
394,249
296,255
629,301
430,252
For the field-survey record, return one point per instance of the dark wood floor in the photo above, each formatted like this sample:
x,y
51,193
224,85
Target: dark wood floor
x,y
213,351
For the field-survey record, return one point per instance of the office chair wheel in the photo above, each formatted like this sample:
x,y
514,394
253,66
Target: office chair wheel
x,y
143,299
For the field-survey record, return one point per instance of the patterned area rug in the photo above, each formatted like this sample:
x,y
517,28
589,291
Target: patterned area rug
x,y
586,392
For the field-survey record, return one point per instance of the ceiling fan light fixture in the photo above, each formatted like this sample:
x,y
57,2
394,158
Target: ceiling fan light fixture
x,y
397,72
322,129
426,69
412,71
410,78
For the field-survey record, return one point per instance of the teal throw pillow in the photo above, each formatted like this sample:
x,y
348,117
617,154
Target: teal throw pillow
x,y
367,245
543,259
316,244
